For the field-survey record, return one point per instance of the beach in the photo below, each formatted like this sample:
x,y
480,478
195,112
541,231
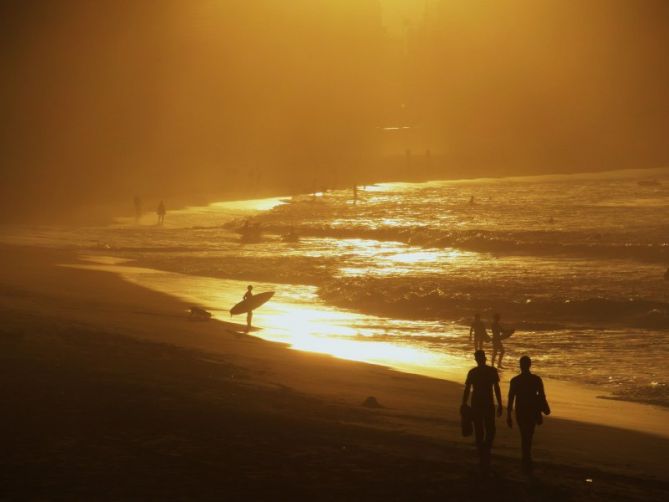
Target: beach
x,y
113,393
296,250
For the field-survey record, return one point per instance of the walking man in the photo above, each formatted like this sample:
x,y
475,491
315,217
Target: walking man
x,y
527,390
160,211
483,379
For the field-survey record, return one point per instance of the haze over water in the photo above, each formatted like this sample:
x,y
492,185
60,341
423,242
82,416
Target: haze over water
x,y
574,262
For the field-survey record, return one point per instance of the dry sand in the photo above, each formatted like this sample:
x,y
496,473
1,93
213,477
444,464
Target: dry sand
x,y
110,392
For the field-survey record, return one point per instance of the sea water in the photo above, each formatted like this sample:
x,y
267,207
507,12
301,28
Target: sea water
x,y
575,263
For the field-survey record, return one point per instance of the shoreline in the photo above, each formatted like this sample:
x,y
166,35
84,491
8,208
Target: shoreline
x,y
114,391
573,400
204,201
108,212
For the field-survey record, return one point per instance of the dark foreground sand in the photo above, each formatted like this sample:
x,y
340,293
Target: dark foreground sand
x,y
108,392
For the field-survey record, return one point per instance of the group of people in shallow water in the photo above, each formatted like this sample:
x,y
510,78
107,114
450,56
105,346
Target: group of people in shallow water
x,y
479,333
526,396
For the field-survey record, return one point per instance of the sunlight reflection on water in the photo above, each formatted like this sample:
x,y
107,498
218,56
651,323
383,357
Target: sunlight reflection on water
x,y
297,317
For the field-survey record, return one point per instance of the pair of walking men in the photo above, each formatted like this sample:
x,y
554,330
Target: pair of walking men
x,y
526,391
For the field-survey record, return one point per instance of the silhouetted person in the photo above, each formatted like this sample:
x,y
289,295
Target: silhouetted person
x,y
291,236
355,194
160,211
483,379
477,329
249,314
138,208
471,201
527,390
497,346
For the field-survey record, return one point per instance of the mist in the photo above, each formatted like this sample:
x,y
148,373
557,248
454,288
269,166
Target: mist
x,y
195,101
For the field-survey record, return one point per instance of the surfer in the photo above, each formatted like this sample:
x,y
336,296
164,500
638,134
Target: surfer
x,y
291,236
249,314
483,379
478,331
527,390
160,211
497,346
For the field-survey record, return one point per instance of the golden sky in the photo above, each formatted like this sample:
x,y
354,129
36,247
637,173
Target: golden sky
x,y
294,92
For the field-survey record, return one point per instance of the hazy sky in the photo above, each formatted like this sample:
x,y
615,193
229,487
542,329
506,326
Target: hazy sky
x,y
400,14
101,100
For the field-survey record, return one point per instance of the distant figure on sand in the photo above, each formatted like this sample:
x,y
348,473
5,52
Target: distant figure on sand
x,y
160,211
497,346
138,208
483,379
249,314
527,390
477,329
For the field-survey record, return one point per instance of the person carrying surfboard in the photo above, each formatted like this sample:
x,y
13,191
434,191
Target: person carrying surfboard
x,y
249,303
249,314
477,329
499,333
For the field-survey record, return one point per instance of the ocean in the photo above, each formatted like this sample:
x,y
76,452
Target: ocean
x,y
575,263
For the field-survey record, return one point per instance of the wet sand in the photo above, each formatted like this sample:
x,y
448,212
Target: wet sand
x,y
110,392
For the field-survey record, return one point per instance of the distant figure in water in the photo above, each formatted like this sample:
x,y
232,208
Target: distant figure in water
x,y
249,314
527,390
291,236
138,208
477,329
666,275
497,346
471,201
483,379
355,194
160,211
551,220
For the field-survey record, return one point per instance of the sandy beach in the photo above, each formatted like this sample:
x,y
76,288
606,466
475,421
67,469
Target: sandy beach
x,y
112,393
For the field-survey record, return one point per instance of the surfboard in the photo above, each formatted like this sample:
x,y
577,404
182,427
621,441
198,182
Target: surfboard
x,y
506,333
252,303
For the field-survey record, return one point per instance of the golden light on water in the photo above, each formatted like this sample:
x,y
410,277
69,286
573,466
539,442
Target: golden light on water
x,y
419,257
297,317
393,258
250,205
215,210
331,332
